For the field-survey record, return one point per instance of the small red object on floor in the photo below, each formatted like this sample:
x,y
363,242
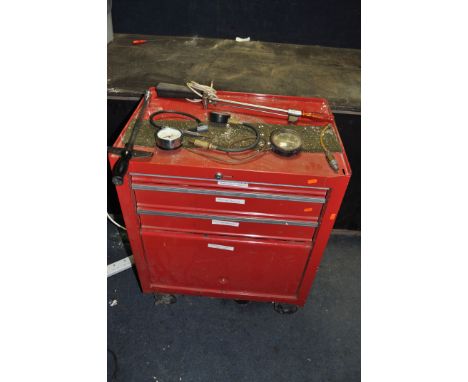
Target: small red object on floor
x,y
251,231
139,42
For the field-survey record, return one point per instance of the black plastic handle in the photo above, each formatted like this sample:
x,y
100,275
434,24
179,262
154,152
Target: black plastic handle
x,y
120,168
166,90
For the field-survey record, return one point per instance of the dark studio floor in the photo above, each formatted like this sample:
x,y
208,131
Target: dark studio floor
x,y
203,339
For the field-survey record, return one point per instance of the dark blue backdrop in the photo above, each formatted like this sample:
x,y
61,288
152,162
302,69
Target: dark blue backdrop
x,y
334,23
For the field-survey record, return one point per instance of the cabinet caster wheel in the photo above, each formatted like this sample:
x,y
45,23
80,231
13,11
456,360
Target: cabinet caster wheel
x,y
164,299
242,302
282,308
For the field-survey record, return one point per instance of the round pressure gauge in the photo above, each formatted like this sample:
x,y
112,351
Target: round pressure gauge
x,y
285,142
168,138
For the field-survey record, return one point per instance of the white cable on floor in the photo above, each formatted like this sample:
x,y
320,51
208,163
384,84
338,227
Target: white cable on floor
x,y
113,221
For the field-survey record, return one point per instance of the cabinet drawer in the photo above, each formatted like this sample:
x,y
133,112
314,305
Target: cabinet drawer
x,y
228,224
224,264
202,199
247,181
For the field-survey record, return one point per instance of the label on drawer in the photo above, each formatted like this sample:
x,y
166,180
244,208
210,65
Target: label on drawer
x,y
233,184
219,246
228,200
225,222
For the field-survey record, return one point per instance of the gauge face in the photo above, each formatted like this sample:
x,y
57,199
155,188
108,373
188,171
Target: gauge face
x,y
169,134
286,142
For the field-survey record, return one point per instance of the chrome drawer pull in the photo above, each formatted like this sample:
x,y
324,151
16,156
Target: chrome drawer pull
x,y
228,200
228,218
255,195
225,222
219,246
215,180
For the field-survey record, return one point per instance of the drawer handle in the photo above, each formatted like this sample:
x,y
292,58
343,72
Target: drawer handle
x,y
229,200
224,222
238,194
211,180
233,184
219,246
230,218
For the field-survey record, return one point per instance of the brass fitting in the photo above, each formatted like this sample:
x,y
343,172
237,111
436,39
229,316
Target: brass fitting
x,y
332,161
204,144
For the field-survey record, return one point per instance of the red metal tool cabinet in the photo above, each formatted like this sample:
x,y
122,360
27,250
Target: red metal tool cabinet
x,y
255,231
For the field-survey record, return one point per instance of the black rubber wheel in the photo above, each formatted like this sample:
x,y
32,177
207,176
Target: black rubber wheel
x,y
282,308
164,299
242,302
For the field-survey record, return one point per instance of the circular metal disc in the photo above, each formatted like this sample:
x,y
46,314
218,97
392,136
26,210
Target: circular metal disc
x,y
169,134
168,138
286,142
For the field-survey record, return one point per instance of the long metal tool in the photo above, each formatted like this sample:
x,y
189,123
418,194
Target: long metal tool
x,y
166,90
292,112
268,109
126,153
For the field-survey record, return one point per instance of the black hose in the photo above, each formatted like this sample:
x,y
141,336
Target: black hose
x,y
225,149
116,367
245,148
151,117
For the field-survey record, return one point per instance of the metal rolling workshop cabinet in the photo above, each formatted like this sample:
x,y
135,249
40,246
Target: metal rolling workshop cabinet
x,y
252,231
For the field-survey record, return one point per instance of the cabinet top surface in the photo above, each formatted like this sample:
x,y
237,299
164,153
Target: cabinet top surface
x,y
304,163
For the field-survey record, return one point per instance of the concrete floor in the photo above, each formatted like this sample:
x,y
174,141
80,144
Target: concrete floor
x,y
204,339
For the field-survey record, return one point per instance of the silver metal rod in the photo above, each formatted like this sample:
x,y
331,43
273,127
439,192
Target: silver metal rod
x,y
257,109
293,112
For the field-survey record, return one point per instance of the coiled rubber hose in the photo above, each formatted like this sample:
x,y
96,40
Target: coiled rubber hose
x,y
157,126
219,148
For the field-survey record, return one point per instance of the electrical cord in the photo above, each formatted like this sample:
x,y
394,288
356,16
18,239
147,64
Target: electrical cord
x,y
113,221
114,372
